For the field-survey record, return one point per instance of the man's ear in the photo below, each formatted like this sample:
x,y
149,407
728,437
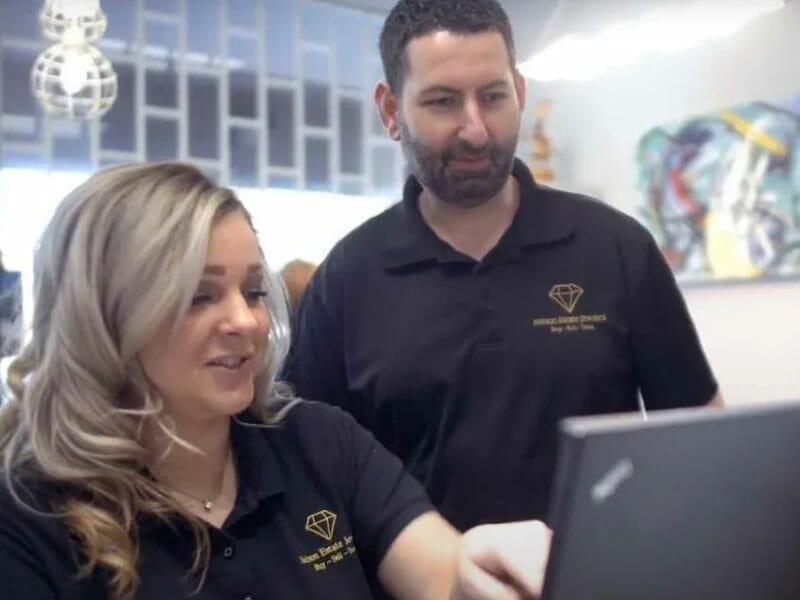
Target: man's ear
x,y
388,107
521,87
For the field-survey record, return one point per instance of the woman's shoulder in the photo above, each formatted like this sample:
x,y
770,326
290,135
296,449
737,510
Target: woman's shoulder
x,y
27,511
317,424
38,555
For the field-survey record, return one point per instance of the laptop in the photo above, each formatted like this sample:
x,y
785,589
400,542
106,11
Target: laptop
x,y
688,504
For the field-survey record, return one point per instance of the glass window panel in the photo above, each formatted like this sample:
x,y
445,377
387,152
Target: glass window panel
x,y
281,46
349,45
118,125
71,145
203,116
20,19
280,121
16,65
283,182
315,66
22,121
21,128
161,79
162,6
384,168
376,75
317,19
242,78
377,124
317,164
243,148
351,148
203,31
162,139
242,94
210,172
316,88
242,13
242,53
113,162
160,38
351,187
17,159
374,40
121,24
161,85
316,104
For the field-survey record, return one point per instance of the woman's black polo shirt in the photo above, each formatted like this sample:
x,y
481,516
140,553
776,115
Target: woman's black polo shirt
x,y
318,506
463,369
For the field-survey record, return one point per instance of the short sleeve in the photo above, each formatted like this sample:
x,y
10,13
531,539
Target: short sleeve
x,y
671,367
381,496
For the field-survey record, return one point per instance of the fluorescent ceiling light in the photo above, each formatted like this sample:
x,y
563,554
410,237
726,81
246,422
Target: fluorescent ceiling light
x,y
582,58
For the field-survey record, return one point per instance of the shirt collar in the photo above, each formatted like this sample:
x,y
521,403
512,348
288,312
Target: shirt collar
x,y
539,220
260,475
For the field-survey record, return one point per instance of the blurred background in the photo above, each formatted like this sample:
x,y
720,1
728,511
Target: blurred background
x,y
682,113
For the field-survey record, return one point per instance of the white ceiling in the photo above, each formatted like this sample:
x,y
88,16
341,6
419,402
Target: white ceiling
x,y
536,22
528,17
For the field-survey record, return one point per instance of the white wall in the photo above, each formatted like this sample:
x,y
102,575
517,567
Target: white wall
x,y
751,331
290,224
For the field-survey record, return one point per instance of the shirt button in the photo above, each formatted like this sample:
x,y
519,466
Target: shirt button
x,y
228,552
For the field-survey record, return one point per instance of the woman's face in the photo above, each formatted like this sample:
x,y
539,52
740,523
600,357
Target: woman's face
x,y
206,366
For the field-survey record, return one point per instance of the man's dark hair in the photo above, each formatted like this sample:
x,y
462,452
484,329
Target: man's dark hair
x,y
410,19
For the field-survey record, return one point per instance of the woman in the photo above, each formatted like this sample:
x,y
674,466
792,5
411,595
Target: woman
x,y
147,453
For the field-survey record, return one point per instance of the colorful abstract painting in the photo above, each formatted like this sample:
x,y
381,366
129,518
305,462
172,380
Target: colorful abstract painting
x,y
721,192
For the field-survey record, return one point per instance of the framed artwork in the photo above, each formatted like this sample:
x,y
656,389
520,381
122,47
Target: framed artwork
x,y
721,192
10,313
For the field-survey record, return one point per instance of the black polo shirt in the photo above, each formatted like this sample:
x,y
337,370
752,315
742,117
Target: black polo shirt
x,y
318,506
464,368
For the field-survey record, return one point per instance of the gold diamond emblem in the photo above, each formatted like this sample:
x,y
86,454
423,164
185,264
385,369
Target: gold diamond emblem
x,y
321,523
566,295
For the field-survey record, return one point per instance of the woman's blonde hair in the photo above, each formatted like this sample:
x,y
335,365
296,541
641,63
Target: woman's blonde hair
x,y
122,255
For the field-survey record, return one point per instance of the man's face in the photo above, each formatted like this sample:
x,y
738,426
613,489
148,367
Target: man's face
x,y
458,115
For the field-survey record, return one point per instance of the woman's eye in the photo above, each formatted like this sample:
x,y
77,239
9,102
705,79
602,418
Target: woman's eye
x,y
201,299
255,295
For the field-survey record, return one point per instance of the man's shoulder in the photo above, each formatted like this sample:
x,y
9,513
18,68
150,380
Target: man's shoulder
x,y
371,232
591,216
360,249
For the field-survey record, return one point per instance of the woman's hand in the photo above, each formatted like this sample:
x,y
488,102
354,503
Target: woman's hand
x,y
502,562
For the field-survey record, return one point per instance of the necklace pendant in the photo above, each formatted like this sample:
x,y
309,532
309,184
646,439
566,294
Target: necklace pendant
x,y
208,505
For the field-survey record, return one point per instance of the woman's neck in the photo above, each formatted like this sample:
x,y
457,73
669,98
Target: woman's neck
x,y
197,472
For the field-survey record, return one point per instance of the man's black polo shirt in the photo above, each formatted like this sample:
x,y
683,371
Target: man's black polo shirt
x,y
319,504
464,368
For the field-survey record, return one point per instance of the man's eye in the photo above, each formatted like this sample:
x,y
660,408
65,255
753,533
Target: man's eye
x,y
494,97
441,102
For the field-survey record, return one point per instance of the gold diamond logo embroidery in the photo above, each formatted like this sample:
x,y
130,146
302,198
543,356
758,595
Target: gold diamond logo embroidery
x,y
322,523
566,295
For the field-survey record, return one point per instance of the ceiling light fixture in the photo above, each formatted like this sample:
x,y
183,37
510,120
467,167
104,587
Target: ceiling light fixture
x,y
73,78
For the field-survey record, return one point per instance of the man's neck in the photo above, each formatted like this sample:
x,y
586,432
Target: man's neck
x,y
472,231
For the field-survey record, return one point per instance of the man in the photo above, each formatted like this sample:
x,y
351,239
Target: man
x,y
464,322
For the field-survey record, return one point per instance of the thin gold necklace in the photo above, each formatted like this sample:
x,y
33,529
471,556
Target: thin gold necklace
x,y
206,502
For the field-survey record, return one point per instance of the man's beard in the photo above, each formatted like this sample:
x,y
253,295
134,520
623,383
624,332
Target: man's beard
x,y
466,188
